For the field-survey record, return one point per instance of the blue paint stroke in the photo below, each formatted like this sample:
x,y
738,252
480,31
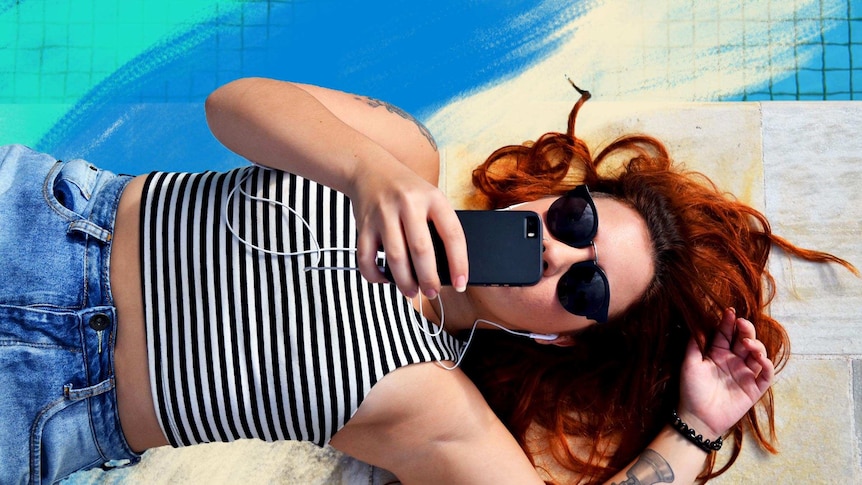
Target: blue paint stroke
x,y
419,55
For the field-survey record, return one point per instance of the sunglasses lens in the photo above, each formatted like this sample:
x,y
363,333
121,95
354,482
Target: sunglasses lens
x,y
583,290
571,219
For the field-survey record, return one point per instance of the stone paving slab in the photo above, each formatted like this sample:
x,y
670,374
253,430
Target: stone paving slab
x,y
813,173
815,427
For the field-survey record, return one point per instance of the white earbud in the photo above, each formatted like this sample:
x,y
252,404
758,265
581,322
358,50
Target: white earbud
x,y
544,336
537,336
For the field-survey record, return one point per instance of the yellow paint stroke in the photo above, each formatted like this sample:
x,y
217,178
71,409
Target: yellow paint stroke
x,y
626,50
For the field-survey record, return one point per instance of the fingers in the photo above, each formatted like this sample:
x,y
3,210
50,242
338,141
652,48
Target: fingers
x,y
420,252
745,329
758,362
740,337
726,329
767,373
367,245
745,341
733,331
451,233
753,353
410,252
392,238
422,249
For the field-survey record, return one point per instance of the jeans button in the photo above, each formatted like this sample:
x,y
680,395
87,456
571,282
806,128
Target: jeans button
x,y
99,322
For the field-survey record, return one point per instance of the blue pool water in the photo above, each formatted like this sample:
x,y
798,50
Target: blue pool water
x,y
835,71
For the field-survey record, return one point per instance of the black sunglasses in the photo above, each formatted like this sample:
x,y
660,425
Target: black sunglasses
x,y
583,290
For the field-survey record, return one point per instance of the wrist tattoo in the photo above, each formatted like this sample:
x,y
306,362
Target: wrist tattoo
x,y
376,103
649,469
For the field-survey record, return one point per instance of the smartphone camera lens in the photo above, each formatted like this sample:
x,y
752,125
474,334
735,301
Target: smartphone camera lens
x,y
532,227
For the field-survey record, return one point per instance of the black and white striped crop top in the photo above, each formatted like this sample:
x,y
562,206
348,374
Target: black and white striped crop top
x,y
243,343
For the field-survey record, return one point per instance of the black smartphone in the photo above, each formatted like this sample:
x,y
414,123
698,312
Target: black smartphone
x,y
504,248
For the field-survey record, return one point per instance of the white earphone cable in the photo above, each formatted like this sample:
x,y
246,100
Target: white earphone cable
x,y
318,250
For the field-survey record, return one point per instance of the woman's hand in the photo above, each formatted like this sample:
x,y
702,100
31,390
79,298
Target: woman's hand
x,y
718,388
393,206
365,148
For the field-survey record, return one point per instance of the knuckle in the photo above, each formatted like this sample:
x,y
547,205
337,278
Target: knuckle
x,y
365,254
422,248
438,196
453,230
371,274
396,256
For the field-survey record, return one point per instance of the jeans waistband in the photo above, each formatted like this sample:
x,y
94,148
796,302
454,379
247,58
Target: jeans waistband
x,y
103,213
96,223
99,313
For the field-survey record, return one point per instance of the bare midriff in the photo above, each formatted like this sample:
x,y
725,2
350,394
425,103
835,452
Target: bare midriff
x,y
135,400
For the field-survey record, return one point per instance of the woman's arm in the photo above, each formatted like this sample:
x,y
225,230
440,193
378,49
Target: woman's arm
x,y
394,129
315,130
376,154
670,458
429,425
717,389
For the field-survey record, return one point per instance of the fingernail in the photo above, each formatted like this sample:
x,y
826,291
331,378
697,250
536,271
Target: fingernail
x,y
461,284
430,294
732,310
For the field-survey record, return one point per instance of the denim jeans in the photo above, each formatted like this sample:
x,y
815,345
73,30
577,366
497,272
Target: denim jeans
x,y
58,406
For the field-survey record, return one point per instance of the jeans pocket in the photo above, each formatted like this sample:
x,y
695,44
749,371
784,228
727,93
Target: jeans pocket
x,y
45,434
63,442
69,187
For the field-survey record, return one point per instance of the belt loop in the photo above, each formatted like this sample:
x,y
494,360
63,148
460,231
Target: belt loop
x,y
72,394
90,228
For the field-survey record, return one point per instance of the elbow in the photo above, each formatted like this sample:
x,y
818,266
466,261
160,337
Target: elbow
x,y
222,97
240,95
231,93
211,106
226,103
215,104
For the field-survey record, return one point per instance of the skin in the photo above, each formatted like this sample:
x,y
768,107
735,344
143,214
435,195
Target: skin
x,y
426,424
624,248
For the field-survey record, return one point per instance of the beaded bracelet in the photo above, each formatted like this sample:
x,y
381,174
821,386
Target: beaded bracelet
x,y
691,435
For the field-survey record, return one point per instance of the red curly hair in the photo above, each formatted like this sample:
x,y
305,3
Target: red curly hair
x,y
617,386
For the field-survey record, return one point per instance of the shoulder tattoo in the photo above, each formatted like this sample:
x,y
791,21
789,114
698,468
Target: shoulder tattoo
x,y
649,469
376,103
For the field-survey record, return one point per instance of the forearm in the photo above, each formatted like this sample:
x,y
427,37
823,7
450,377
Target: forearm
x,y
282,126
364,148
670,458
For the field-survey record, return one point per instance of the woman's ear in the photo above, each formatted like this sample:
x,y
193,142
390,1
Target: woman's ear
x,y
560,341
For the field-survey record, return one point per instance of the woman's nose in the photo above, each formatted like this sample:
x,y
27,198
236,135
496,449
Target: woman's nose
x,y
559,257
